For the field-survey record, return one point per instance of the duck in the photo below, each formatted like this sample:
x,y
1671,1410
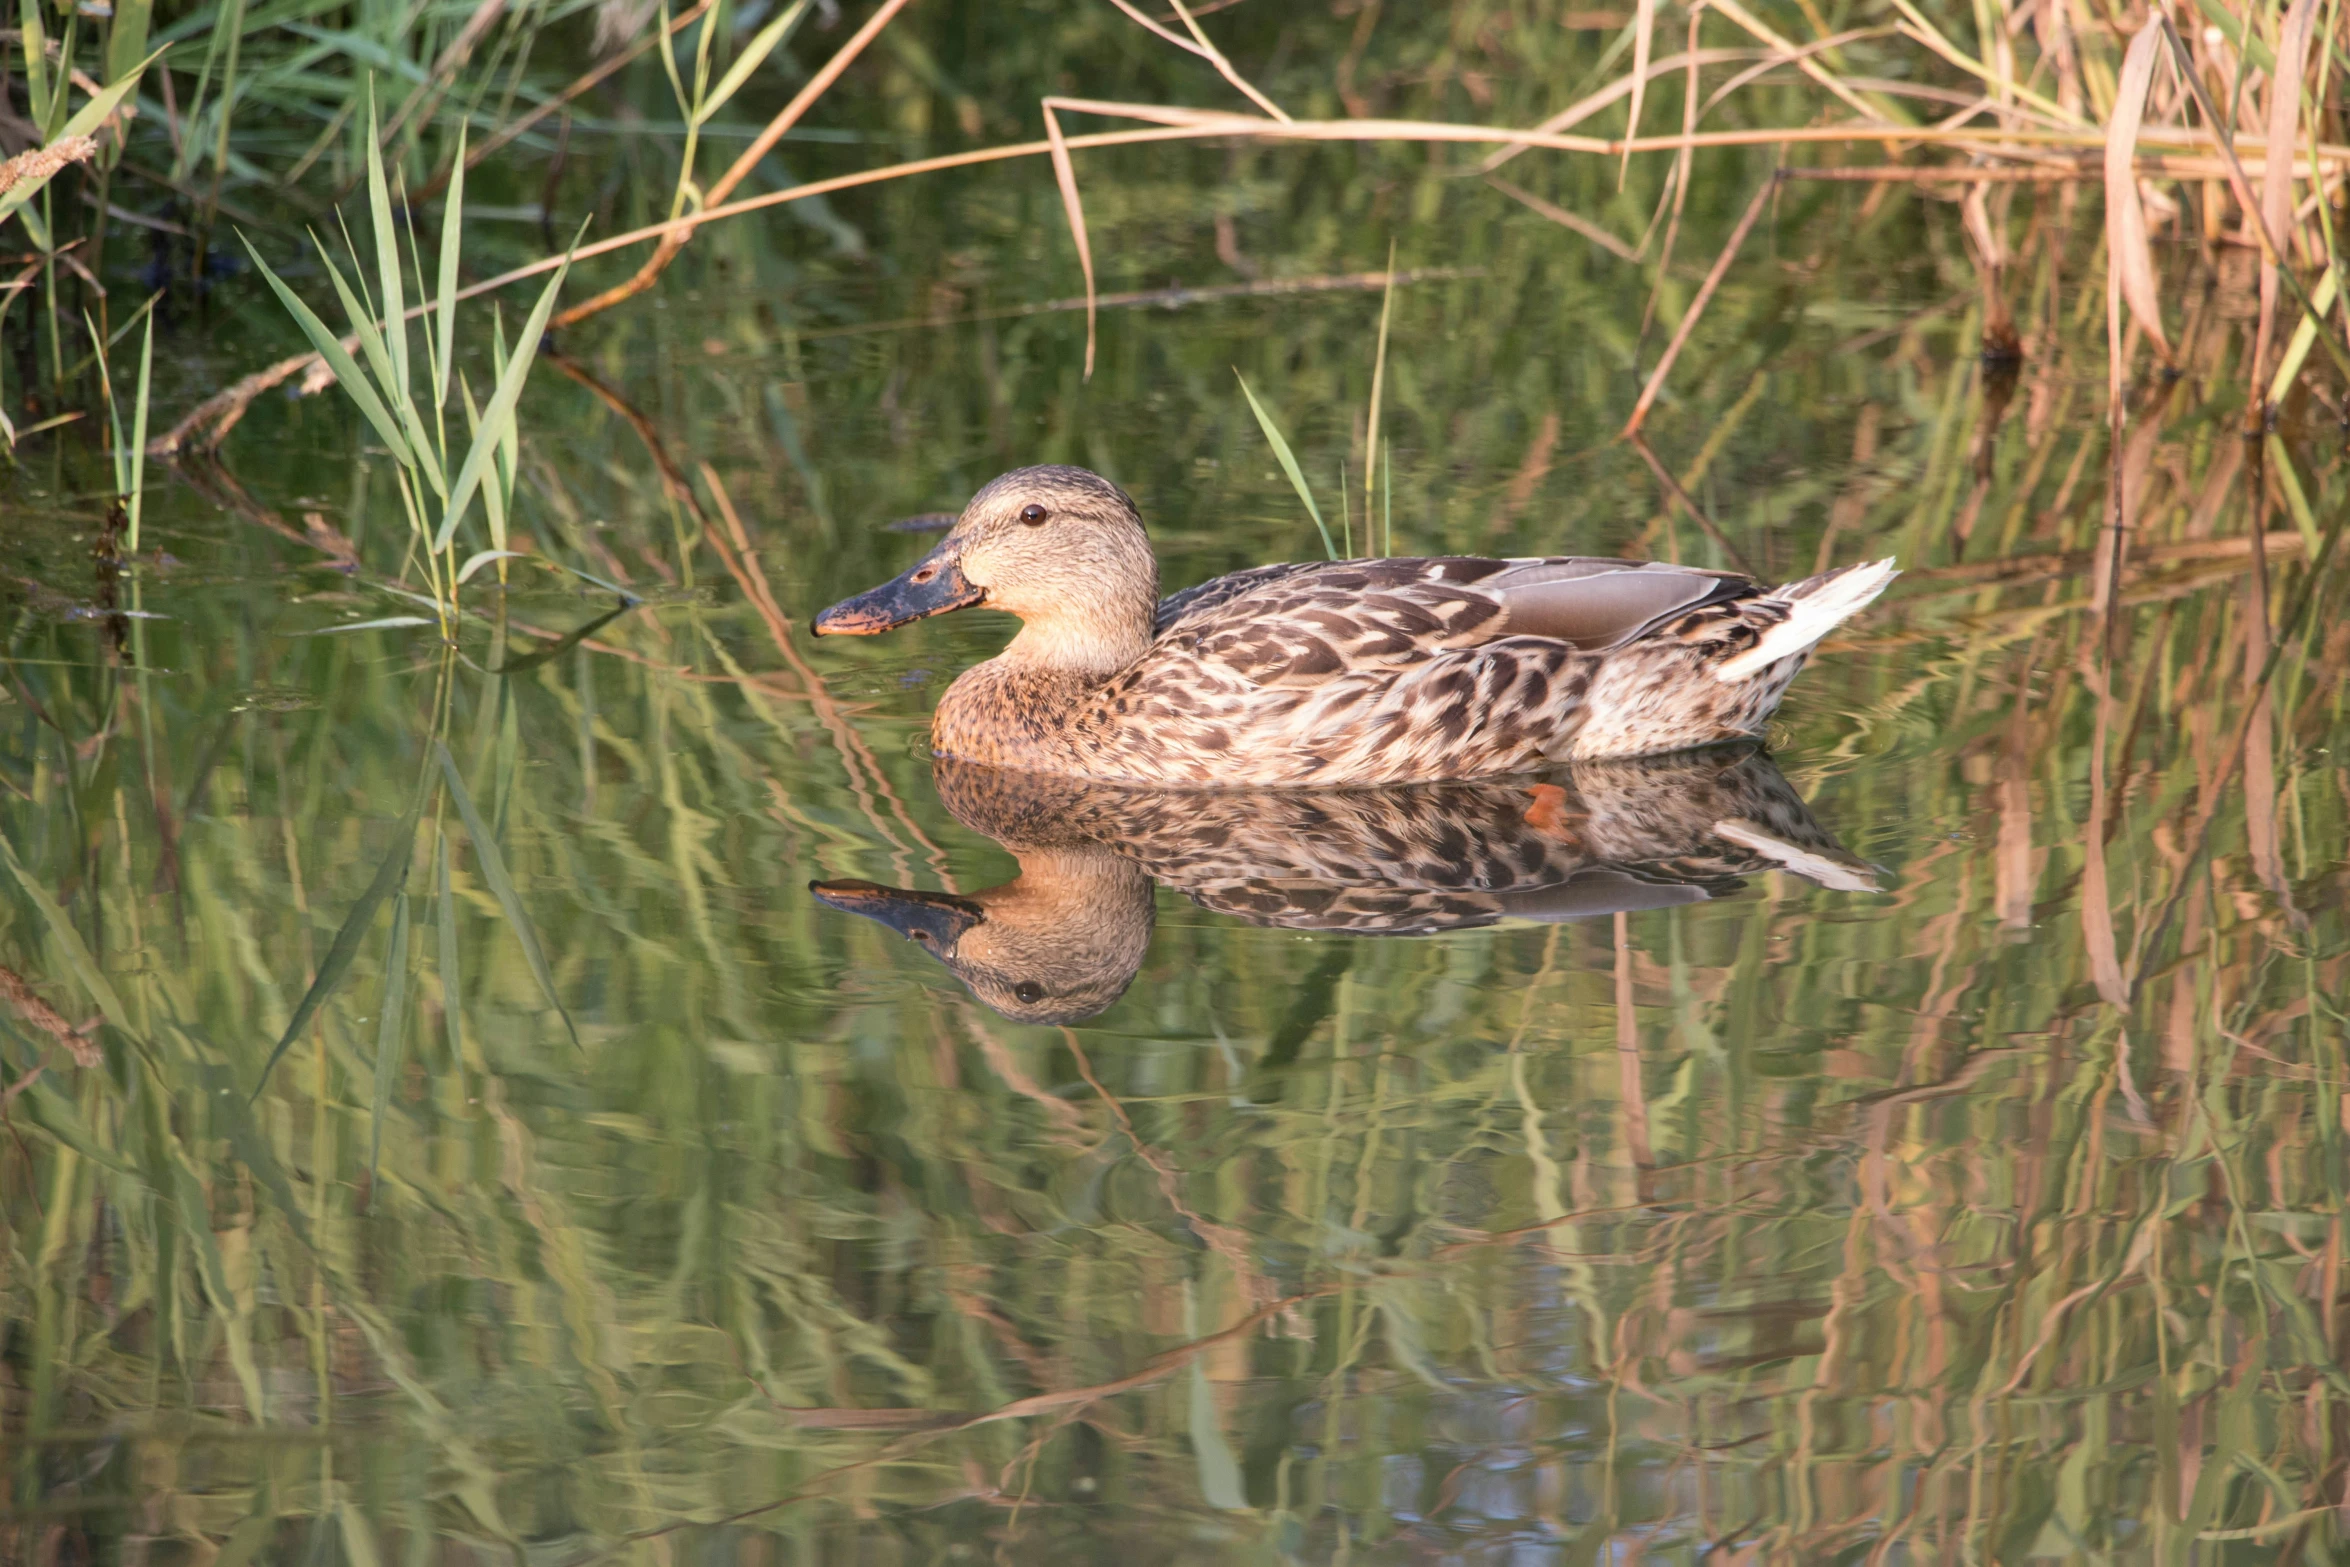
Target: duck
x,y
1340,673
1062,941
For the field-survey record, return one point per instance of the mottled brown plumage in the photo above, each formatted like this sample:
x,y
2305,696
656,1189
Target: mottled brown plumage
x,y
1339,673
1062,941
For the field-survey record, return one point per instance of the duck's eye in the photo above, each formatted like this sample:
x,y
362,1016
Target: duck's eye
x,y
1028,992
1033,514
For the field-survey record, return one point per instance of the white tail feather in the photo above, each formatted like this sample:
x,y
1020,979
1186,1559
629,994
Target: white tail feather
x,y
1814,608
1845,874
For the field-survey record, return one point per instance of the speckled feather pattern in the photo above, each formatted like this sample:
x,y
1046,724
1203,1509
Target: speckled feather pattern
x,y
1366,672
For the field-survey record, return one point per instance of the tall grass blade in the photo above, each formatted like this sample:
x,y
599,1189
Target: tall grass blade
x,y
389,285
138,452
1346,516
770,38
390,1034
1387,501
126,39
120,459
359,310
338,359
1378,388
493,871
2129,257
493,491
500,411
445,306
389,877
2304,336
1288,461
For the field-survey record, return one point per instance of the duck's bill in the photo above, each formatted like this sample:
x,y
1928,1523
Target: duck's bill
x,y
931,587
934,919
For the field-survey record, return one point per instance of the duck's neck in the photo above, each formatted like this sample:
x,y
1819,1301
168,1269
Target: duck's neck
x,y
1092,642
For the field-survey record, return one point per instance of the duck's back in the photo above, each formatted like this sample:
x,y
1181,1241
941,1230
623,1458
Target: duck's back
x,y
1375,671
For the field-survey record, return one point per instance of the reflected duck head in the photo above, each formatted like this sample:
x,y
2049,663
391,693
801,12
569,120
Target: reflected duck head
x,y
1062,548
1058,944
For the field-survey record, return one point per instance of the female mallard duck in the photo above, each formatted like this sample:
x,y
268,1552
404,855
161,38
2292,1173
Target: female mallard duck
x,y
1062,941
1334,673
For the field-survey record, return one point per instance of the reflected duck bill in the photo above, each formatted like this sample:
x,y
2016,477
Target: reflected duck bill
x,y
932,919
933,586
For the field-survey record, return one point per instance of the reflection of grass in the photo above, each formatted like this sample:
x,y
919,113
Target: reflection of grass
x,y
1789,1223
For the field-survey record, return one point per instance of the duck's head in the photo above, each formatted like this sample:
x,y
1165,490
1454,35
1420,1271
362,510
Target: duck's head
x,y
1061,548
1056,945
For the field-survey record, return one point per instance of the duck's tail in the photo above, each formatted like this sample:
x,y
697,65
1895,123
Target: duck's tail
x,y
1815,606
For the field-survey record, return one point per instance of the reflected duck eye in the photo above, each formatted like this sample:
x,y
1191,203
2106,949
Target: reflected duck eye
x,y
1028,992
1033,514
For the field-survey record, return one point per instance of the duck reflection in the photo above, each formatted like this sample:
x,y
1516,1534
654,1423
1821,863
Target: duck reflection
x,y
1062,940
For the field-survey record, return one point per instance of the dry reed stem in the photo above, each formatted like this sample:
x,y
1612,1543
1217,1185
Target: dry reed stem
x,y
1224,68
1565,219
1643,37
1801,59
1705,294
1584,108
2129,258
675,240
220,412
1065,179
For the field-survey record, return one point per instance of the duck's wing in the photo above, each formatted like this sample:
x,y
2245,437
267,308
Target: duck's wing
x,y
1305,624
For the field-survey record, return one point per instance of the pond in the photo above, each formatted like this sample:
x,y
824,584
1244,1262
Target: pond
x,y
487,1146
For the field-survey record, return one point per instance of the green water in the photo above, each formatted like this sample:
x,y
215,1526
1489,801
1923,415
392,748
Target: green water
x,y
1994,1214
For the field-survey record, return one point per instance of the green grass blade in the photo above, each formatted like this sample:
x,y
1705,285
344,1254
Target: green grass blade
x,y
493,871
389,286
500,409
755,53
389,876
138,452
69,942
122,469
338,359
390,1035
1288,459
444,920
400,400
445,307
126,40
1346,516
1378,391
493,493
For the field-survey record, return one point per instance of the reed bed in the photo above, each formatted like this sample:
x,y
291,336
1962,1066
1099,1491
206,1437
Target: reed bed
x,y
612,1202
